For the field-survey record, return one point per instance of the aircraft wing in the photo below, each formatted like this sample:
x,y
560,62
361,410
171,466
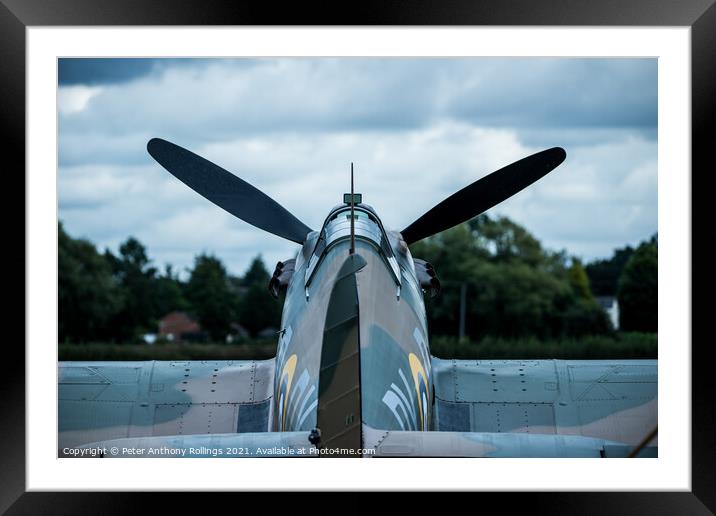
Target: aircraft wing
x,y
102,401
611,401
493,445
231,445
378,443
483,408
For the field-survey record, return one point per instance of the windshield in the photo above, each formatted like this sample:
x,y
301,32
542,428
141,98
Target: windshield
x,y
367,227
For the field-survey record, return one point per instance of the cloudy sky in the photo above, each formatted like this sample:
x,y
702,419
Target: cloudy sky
x,y
416,129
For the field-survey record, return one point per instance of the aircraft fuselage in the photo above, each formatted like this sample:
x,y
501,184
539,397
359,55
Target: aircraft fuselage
x,y
353,348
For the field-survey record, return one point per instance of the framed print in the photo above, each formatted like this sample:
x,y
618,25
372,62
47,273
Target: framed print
x,y
108,99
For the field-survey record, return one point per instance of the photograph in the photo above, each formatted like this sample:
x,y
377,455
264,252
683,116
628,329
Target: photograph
x,y
369,257
428,233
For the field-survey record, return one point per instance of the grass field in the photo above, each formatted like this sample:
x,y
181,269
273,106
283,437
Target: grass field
x,y
624,345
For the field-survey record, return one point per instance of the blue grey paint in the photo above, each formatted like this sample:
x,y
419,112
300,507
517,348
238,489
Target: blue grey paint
x,y
253,417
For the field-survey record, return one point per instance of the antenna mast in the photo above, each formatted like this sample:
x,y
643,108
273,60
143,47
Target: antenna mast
x,y
353,229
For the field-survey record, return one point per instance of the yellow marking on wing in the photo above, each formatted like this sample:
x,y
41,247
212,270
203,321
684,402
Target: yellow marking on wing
x,y
288,369
417,368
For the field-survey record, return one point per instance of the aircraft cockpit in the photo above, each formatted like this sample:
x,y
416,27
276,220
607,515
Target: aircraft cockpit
x,y
367,228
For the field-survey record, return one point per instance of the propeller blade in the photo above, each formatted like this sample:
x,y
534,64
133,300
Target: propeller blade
x,y
228,191
484,193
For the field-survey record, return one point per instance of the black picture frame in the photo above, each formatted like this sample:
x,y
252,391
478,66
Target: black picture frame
x,y
17,15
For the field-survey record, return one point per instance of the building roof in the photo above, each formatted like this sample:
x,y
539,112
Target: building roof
x,y
176,323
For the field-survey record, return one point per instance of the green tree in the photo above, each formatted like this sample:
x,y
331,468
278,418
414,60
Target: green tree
x,y
604,274
209,293
137,280
88,297
258,310
579,281
506,240
584,315
169,294
638,290
515,288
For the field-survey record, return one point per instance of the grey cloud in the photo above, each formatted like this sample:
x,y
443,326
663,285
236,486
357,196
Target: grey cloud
x,y
560,93
92,147
95,71
224,101
544,137
219,100
291,127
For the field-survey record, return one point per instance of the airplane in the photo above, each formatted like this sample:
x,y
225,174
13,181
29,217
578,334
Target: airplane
x,y
353,375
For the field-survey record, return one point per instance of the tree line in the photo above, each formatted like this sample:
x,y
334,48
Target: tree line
x,y
514,288
118,298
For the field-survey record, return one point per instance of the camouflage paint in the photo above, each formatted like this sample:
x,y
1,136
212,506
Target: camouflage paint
x,y
396,387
